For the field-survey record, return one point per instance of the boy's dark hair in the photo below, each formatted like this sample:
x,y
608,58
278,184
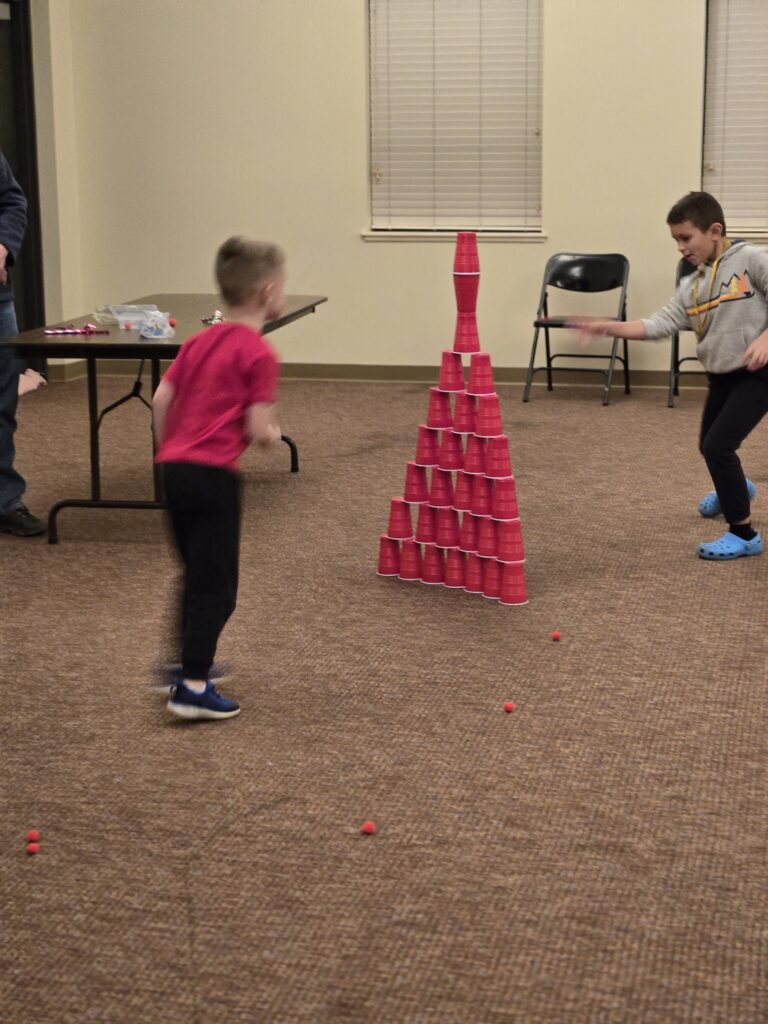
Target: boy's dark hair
x,y
243,266
700,208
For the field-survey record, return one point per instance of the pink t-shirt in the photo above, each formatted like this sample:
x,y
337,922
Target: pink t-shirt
x,y
217,375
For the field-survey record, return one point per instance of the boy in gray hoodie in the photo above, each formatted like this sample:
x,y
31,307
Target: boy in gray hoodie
x,y
725,301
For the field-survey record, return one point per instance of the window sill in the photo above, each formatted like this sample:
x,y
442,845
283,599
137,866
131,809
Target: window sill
x,y
445,235
755,235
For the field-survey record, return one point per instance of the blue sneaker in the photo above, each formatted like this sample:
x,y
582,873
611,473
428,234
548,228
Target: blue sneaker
x,y
709,506
185,703
730,546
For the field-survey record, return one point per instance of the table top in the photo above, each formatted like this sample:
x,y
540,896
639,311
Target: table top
x,y
187,309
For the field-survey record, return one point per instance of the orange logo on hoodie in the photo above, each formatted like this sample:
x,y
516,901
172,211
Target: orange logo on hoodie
x,y
739,287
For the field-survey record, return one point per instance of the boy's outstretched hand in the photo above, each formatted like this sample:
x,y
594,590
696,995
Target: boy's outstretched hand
x,y
756,356
589,327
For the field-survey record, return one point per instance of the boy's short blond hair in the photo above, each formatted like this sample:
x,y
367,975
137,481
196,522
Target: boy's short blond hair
x,y
243,266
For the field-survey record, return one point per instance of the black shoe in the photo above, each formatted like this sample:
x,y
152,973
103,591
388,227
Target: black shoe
x,y
22,523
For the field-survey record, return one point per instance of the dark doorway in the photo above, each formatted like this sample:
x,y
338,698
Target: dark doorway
x,y
18,142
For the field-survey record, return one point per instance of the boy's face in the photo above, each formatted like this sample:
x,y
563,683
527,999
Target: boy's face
x,y
693,244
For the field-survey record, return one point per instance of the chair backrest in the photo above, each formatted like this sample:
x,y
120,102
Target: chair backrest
x,y
684,268
587,272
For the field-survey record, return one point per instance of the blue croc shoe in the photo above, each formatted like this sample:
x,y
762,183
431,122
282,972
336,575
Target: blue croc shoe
x,y
730,546
709,506
185,703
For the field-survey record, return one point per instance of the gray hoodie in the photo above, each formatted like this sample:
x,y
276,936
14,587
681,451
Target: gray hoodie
x,y
738,308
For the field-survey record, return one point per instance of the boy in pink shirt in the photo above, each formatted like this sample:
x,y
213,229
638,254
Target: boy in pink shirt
x,y
216,398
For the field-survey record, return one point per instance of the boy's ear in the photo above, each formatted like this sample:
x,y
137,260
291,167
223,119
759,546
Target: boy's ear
x,y
716,229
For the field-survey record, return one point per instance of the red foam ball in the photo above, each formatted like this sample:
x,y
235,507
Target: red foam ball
x,y
172,321
33,835
556,634
127,327
33,848
509,706
368,828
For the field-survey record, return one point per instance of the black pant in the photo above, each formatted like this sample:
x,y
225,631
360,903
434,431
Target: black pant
x,y
204,506
735,405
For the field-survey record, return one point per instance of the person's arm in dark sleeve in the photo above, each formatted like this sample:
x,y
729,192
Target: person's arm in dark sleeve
x,y
13,218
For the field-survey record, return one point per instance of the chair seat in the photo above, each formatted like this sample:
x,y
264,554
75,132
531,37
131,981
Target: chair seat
x,y
558,321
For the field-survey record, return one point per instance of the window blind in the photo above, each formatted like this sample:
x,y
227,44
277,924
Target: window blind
x,y
735,158
455,115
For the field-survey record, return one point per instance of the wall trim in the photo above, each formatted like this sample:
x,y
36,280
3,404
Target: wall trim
x,y
75,370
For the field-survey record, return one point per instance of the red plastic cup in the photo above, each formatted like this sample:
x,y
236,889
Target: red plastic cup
x,y
462,492
504,502
513,584
416,490
464,413
468,532
474,457
410,560
482,490
488,416
510,535
465,337
487,541
426,447
425,526
497,460
441,491
451,452
447,528
451,372
466,285
466,260
474,574
480,375
491,578
455,572
400,525
389,556
432,565
439,413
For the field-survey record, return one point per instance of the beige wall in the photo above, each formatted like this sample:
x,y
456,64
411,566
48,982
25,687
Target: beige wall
x,y
169,124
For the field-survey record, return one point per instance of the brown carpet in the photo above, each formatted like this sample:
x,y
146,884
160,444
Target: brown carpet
x,y
599,856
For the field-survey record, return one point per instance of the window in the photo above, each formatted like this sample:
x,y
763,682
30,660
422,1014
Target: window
x,y
455,88
735,159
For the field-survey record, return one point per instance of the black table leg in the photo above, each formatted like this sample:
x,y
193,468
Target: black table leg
x,y
294,452
93,416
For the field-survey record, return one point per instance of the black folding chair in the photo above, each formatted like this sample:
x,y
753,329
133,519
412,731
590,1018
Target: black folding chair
x,y
684,268
584,272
